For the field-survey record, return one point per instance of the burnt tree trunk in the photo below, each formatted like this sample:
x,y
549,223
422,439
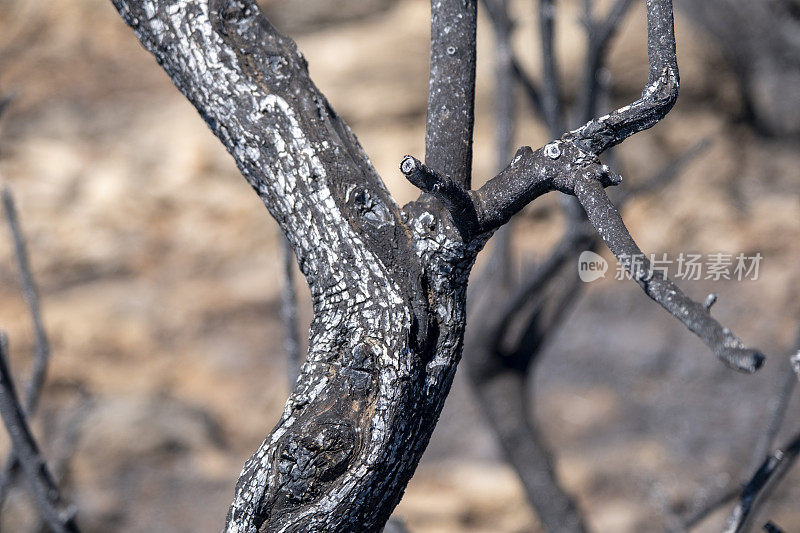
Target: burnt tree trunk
x,y
388,284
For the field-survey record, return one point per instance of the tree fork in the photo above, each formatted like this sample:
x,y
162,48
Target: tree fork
x,y
388,284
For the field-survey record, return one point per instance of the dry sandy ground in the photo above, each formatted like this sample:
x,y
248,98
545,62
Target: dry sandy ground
x,y
159,277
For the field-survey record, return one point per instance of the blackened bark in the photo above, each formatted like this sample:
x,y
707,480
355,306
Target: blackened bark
x,y
451,92
388,285
606,219
499,368
385,336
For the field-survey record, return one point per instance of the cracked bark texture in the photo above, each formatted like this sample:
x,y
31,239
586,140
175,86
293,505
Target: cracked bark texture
x,y
388,287
388,284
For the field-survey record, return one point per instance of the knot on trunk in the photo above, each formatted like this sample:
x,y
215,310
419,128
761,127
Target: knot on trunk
x,y
309,461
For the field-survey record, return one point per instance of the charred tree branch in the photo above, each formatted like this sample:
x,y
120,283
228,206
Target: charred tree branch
x,y
388,285
31,294
453,196
59,516
599,36
768,474
776,417
291,343
552,93
451,92
608,223
33,389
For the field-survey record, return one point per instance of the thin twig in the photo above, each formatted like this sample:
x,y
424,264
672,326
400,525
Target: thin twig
x,y
552,92
498,15
775,419
769,473
599,37
42,351
448,191
59,516
608,223
66,443
291,343
776,415
31,294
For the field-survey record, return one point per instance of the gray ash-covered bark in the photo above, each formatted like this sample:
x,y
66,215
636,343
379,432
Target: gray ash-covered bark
x,y
388,284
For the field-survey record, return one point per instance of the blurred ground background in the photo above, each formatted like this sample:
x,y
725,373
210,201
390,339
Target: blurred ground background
x,y
162,300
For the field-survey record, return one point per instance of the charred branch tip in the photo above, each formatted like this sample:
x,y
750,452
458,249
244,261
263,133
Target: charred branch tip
x,y
409,166
422,176
710,300
608,177
744,360
453,196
